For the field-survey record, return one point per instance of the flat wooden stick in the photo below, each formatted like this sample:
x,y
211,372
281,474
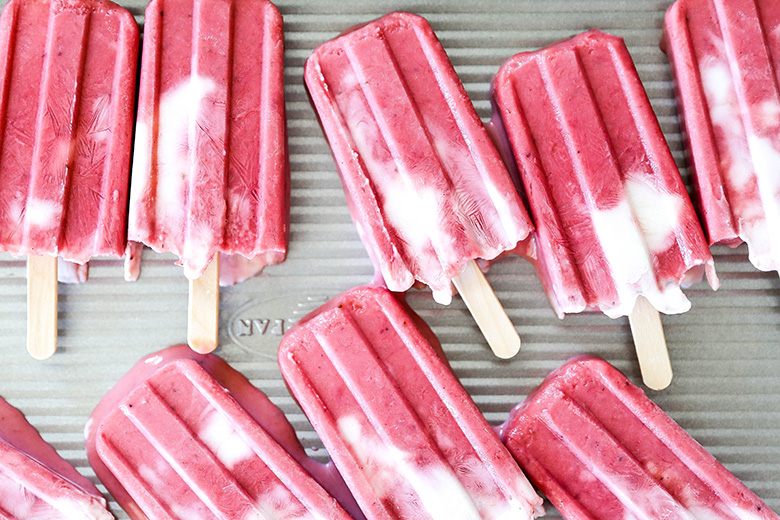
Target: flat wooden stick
x,y
650,345
203,312
487,311
41,306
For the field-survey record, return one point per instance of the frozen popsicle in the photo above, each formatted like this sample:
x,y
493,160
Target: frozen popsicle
x,y
210,172
426,187
724,57
184,436
615,228
67,77
601,450
36,482
400,428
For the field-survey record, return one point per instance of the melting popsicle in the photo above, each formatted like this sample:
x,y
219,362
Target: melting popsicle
x,y
210,173
36,482
400,428
615,228
183,436
599,449
426,187
724,57
68,85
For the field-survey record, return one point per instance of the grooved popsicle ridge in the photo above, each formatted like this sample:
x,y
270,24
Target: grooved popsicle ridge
x,y
600,449
724,57
613,219
402,431
424,182
68,83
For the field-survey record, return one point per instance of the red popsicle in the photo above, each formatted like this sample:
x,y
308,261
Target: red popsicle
x,y
210,171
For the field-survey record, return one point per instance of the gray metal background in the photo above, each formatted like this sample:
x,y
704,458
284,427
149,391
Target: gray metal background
x,y
725,352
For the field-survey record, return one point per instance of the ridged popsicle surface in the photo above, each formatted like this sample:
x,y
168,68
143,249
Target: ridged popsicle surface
x,y
67,89
600,449
425,185
613,218
210,171
182,448
724,56
407,438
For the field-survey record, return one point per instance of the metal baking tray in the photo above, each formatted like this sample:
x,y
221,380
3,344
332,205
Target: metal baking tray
x,y
725,351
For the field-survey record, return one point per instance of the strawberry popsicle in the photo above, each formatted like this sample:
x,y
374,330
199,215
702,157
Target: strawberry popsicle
x,y
600,449
724,57
210,171
615,226
68,85
184,436
426,187
36,482
400,428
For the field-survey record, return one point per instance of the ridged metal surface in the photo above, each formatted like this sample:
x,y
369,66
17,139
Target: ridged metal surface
x,y
725,351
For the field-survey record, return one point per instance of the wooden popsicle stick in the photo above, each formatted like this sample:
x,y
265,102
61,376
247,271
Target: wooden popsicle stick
x,y
203,310
41,305
487,311
650,345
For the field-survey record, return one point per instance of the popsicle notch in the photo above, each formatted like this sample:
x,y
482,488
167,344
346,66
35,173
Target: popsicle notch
x,y
724,57
184,436
404,434
67,79
425,185
599,449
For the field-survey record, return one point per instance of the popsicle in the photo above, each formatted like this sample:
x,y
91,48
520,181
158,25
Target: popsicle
x,y
210,171
599,449
426,187
184,436
400,428
67,77
724,57
36,482
615,228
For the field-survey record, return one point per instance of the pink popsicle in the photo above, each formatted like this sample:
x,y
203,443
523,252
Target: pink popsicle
x,y
724,57
184,436
67,93
425,185
599,449
400,428
613,219
68,85
210,171
36,482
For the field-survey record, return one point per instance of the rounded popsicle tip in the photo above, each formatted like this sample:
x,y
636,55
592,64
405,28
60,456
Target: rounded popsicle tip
x,y
507,347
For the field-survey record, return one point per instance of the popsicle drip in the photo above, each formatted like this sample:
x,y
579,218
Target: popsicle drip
x,y
64,155
401,418
211,452
724,58
600,449
211,169
412,153
30,491
613,218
